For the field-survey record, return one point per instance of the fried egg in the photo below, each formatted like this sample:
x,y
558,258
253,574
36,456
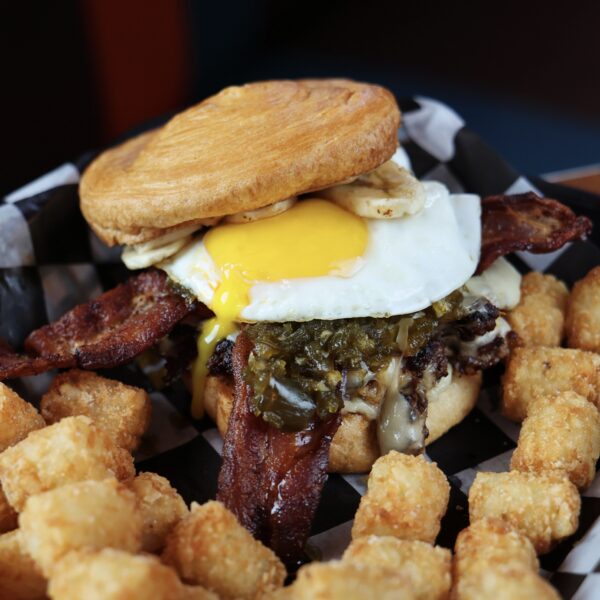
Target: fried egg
x,y
319,261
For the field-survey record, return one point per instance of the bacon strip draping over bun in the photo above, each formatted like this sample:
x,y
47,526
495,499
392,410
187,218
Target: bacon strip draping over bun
x,y
526,222
272,479
105,332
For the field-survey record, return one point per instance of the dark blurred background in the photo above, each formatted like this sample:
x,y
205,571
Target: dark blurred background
x,y
78,75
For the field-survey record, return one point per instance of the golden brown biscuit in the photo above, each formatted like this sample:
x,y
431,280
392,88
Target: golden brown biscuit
x,y
560,433
406,498
583,313
210,548
539,317
17,418
161,507
544,507
244,148
538,371
88,514
123,411
354,448
111,574
426,567
71,450
20,578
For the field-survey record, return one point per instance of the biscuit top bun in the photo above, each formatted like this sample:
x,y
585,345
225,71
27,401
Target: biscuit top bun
x,y
242,149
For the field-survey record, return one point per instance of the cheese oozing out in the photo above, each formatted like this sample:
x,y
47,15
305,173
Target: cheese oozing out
x,y
319,261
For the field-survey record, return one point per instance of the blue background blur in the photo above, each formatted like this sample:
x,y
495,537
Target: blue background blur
x,y
80,74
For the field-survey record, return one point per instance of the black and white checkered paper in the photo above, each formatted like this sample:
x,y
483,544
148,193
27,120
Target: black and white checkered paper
x,y
50,261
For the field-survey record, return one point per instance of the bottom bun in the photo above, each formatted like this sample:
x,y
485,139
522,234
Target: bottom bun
x,y
354,448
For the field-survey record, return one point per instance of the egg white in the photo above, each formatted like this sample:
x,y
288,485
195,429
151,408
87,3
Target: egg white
x,y
409,263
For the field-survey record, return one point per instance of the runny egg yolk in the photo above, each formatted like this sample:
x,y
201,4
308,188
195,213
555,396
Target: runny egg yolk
x,y
312,239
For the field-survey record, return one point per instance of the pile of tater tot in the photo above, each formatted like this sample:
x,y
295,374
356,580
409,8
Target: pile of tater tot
x,y
77,522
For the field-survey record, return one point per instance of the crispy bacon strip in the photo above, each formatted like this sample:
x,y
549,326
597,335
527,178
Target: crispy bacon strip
x,y
105,332
526,222
13,364
272,479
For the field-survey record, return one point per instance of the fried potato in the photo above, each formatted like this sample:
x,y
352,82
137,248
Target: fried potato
x,y
560,433
503,583
110,574
161,508
406,498
123,411
425,567
8,515
535,372
210,548
340,580
583,313
539,317
71,450
20,579
493,560
87,514
491,541
17,418
544,507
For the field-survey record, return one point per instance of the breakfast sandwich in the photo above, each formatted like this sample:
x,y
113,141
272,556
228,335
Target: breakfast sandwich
x,y
340,307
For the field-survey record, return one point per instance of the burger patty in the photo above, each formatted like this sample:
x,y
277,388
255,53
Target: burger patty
x,y
381,367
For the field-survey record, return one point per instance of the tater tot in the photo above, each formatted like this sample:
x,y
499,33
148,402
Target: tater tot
x,y
544,507
560,433
406,498
503,583
111,574
20,579
539,317
17,418
583,313
87,514
337,580
71,450
123,411
425,567
490,558
491,541
210,548
161,508
535,372
8,515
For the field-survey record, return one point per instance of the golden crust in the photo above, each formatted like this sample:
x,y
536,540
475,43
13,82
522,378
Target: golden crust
x,y
354,448
20,578
583,313
161,508
68,451
121,410
539,317
210,548
87,514
341,580
17,418
561,433
426,567
537,371
242,149
544,507
111,574
406,498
